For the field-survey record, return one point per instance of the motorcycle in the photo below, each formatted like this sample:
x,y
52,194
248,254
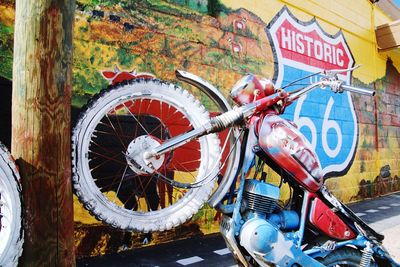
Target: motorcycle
x,y
11,232
147,155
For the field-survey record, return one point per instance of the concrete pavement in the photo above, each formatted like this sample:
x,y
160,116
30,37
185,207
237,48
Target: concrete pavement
x,y
382,214
392,241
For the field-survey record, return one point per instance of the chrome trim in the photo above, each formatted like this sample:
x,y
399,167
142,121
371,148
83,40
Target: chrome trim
x,y
205,87
175,142
304,212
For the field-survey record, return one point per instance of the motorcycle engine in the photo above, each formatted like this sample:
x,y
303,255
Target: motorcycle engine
x,y
267,228
261,200
260,197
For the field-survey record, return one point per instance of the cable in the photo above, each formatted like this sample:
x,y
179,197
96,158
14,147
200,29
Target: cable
x,y
300,79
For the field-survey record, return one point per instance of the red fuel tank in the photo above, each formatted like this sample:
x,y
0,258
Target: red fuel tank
x,y
287,147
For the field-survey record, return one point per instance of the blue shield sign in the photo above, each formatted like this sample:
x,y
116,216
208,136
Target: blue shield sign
x,y
327,120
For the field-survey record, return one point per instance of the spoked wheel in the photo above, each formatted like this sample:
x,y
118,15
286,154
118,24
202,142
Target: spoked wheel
x,y
111,176
11,234
345,257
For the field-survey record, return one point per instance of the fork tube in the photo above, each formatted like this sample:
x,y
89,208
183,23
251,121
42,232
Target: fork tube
x,y
247,160
175,142
304,210
238,203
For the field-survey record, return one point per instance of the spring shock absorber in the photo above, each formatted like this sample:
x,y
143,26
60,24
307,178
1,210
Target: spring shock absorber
x,y
366,255
227,119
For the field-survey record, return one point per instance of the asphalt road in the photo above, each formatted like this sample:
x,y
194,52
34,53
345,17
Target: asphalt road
x,y
383,214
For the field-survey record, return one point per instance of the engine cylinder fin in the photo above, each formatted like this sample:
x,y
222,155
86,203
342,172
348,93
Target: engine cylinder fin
x,y
260,197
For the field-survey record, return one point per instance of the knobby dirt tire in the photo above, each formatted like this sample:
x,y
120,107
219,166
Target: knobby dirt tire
x,y
11,232
102,114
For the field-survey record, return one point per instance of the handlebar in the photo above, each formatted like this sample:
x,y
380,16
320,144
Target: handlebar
x,y
363,91
238,115
333,72
331,80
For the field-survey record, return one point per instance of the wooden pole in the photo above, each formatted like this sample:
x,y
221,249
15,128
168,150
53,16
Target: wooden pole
x,y
41,115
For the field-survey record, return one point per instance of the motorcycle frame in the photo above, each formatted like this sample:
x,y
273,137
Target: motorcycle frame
x,y
230,226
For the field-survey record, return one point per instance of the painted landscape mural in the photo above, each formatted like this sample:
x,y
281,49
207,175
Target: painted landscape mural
x,y
219,41
158,38
161,37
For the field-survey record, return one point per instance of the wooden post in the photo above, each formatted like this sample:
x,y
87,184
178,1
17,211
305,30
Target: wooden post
x,y
41,115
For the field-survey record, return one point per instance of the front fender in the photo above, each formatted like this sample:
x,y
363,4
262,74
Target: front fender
x,y
222,103
205,87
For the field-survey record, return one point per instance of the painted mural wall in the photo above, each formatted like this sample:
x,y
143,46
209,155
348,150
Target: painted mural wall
x,y
221,41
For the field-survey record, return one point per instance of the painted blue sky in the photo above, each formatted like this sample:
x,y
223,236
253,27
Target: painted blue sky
x,y
397,2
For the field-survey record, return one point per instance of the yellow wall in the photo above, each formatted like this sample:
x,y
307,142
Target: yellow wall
x,y
357,19
378,138
166,38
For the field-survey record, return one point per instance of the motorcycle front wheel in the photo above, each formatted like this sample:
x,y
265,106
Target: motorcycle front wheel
x,y
109,175
11,233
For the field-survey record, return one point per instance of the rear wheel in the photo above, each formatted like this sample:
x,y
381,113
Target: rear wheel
x,y
110,177
344,257
11,234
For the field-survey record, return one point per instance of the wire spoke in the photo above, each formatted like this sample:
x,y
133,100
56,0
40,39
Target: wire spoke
x,y
113,158
117,134
186,170
108,151
110,133
138,122
147,184
114,182
167,180
123,132
166,120
190,161
140,108
119,186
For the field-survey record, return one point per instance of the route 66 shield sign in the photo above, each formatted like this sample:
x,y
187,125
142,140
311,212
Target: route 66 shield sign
x,y
326,119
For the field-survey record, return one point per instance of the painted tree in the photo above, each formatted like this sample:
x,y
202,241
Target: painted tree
x,y
41,128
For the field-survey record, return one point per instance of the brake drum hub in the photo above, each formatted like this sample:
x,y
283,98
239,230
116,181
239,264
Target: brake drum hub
x,y
135,155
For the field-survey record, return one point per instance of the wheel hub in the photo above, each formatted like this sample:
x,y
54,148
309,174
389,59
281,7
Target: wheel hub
x,y
136,151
